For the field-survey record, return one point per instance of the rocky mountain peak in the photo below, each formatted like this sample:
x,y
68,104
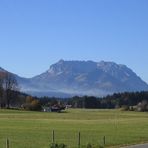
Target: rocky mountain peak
x,y
72,66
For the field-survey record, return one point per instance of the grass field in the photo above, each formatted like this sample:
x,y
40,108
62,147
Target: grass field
x,y
34,129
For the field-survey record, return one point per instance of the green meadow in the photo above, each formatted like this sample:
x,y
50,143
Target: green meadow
x,y
34,129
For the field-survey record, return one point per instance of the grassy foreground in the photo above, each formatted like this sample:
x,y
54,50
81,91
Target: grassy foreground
x,y
34,129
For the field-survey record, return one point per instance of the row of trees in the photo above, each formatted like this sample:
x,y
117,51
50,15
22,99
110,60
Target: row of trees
x,y
126,100
117,100
8,88
10,97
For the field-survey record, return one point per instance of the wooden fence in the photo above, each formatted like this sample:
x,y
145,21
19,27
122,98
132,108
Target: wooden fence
x,y
55,139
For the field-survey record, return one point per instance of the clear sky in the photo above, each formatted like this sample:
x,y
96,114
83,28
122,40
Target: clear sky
x,y
37,33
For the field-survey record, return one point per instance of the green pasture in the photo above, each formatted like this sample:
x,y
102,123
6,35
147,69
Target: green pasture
x,y
34,129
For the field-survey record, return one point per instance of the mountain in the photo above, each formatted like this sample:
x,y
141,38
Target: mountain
x,y
20,80
2,70
69,78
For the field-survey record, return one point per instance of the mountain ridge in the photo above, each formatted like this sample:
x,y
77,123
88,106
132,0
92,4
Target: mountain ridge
x,y
69,78
88,77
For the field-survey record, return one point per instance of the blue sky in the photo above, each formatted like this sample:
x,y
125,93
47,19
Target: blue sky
x,y
37,33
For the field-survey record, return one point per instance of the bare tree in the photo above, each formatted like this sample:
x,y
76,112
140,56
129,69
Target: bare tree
x,y
9,85
2,104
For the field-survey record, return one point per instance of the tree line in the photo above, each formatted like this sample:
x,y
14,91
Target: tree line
x,y
116,100
8,88
10,97
125,100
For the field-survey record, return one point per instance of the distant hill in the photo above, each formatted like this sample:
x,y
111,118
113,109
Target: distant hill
x,y
69,78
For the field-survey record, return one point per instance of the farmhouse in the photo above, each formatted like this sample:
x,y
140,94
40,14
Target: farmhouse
x,y
54,108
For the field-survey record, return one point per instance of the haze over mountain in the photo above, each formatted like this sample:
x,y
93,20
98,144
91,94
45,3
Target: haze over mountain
x,y
69,78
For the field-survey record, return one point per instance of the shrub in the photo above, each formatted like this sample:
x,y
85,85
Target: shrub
x,y
32,104
55,145
62,145
89,145
125,108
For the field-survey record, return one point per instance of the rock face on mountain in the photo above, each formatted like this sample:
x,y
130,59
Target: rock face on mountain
x,y
69,78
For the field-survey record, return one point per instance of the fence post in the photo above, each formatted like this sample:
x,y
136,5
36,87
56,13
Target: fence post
x,y
7,143
104,140
79,139
53,137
